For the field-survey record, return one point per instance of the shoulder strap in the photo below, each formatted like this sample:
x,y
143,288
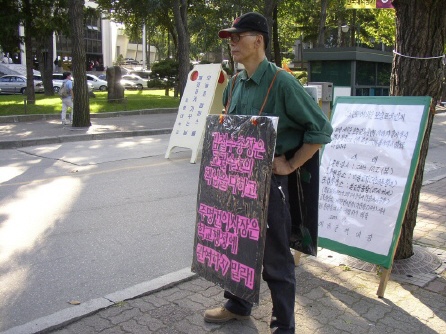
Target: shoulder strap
x,y
230,93
266,97
269,89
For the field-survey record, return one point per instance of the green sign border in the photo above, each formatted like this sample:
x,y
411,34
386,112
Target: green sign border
x,y
379,259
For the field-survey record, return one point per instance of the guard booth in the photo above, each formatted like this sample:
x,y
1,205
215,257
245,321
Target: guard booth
x,y
353,71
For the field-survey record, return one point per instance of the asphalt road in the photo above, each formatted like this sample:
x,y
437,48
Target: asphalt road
x,y
82,220
436,157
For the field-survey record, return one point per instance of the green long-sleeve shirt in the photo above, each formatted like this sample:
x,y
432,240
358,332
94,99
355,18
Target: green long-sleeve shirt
x,y
300,118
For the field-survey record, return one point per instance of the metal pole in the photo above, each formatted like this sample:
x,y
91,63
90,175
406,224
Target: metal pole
x,y
353,28
144,46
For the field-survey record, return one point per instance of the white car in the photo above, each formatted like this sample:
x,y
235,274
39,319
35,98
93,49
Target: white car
x,y
127,84
98,84
140,82
58,81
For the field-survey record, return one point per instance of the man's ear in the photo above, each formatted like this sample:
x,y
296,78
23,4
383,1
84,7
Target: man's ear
x,y
259,40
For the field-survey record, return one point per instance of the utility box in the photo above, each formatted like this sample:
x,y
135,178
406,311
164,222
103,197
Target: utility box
x,y
312,91
325,90
324,95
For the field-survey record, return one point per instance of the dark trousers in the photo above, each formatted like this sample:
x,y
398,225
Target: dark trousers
x,y
278,262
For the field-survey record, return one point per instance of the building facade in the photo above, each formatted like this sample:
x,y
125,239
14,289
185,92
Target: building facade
x,y
105,41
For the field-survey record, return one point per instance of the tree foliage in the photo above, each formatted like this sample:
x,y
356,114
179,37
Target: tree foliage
x,y
10,17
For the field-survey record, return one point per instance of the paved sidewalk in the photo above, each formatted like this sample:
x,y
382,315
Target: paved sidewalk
x,y
335,294
331,297
31,130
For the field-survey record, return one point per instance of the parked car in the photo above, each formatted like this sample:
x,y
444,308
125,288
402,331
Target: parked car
x,y
98,84
58,81
143,74
127,84
140,82
124,70
17,84
130,61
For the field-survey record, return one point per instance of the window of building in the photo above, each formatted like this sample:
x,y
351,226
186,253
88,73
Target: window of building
x,y
365,73
337,72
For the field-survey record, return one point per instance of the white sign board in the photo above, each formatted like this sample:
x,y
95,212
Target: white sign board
x,y
202,96
366,174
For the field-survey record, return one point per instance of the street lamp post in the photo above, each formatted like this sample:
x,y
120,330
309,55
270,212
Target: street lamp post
x,y
345,28
353,27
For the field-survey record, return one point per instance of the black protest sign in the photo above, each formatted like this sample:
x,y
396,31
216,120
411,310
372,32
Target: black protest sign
x,y
232,202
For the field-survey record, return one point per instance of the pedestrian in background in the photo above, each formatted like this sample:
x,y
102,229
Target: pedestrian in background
x,y
263,88
66,94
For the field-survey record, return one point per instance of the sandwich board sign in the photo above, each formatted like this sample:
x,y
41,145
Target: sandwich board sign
x,y
366,174
202,96
232,201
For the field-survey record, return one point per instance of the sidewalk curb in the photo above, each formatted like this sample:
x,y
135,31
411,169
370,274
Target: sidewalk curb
x,y
433,180
74,313
10,144
46,117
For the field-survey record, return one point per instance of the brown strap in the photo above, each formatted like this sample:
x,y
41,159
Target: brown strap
x,y
266,97
230,93
269,89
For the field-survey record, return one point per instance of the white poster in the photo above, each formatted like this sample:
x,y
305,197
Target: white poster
x,y
364,173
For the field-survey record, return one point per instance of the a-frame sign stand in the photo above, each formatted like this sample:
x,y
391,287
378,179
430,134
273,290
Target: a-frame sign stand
x,y
202,96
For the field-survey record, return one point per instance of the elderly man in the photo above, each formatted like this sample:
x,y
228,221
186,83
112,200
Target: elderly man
x,y
264,89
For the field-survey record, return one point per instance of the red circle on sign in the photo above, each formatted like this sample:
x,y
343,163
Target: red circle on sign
x,y
221,79
194,75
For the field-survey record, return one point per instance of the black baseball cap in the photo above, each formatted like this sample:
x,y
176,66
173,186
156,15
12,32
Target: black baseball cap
x,y
247,22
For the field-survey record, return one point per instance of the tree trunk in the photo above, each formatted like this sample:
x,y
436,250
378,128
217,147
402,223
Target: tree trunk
x,y
277,55
268,11
180,15
323,18
45,55
81,103
420,33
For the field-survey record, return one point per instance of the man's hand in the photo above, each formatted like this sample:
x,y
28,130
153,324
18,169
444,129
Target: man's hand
x,y
281,166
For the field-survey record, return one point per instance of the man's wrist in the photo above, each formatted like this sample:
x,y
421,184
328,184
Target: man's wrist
x,y
292,166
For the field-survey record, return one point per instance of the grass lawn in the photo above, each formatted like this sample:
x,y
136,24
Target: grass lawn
x,y
134,100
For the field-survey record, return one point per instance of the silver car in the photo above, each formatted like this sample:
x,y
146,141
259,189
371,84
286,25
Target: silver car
x,y
14,84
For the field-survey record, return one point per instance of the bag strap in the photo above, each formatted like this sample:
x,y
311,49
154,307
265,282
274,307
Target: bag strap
x,y
230,93
264,100
269,89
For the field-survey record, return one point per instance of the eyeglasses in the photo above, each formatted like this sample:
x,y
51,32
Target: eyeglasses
x,y
235,38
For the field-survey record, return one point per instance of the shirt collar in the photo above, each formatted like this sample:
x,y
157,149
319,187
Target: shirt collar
x,y
258,74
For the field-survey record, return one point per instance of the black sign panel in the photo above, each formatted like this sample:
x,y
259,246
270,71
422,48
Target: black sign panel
x,y
232,202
